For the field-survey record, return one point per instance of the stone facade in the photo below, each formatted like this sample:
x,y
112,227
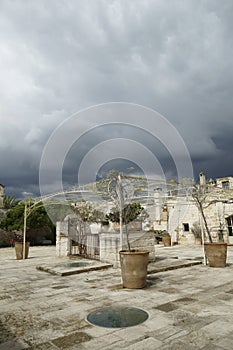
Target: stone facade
x,y
181,213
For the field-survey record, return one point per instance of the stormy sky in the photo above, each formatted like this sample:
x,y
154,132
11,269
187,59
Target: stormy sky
x,y
61,57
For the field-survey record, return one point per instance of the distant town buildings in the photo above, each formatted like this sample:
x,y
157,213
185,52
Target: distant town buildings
x,y
173,209
178,214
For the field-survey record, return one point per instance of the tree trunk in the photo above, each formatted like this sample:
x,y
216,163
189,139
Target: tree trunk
x,y
127,237
205,222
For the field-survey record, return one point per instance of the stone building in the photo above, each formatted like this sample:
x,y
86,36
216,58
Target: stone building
x,y
173,210
179,214
1,195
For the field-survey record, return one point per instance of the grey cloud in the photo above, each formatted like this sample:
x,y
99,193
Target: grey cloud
x,y
59,57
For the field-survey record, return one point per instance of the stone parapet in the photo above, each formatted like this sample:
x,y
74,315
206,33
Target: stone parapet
x,y
110,245
63,242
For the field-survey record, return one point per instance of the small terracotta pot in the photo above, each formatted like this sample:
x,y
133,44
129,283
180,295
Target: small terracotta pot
x,y
198,240
166,241
216,254
19,250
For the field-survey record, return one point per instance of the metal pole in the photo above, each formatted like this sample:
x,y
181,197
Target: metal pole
x,y
203,241
120,196
24,230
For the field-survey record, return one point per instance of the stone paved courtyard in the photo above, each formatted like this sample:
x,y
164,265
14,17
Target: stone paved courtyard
x,y
189,308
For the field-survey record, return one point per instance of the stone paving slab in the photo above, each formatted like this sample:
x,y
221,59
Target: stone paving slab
x,y
68,267
189,308
63,268
170,264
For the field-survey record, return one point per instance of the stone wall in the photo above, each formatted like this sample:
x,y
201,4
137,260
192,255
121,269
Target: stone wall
x,y
104,246
109,248
110,245
66,232
63,242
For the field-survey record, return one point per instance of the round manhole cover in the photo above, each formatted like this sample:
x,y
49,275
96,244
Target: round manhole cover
x,y
117,317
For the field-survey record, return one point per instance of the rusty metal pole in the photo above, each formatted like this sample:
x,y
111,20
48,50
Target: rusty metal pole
x,y
121,206
24,230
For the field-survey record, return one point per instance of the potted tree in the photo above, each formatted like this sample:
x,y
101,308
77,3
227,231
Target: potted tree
x,y
16,220
122,189
215,252
19,246
133,262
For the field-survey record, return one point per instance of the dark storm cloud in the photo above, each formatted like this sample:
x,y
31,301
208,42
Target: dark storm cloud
x,y
59,57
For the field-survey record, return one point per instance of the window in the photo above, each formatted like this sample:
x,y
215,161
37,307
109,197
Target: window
x,y
186,227
230,225
225,184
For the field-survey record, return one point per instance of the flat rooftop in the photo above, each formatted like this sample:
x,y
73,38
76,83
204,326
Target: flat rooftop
x,y
189,308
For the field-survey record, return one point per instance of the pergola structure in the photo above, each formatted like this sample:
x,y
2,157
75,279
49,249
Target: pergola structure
x,y
89,191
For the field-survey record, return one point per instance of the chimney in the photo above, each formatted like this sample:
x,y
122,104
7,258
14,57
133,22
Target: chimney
x,y
202,179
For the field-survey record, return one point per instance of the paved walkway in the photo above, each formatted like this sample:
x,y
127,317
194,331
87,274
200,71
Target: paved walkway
x,y
189,308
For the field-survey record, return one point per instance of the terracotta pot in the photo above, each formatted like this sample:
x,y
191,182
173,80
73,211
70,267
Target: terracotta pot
x,y
134,268
19,250
166,241
216,254
198,241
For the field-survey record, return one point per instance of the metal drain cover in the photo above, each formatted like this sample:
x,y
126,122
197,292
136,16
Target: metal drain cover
x,y
117,317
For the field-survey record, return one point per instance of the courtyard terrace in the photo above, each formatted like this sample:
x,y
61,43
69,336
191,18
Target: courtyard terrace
x,y
189,308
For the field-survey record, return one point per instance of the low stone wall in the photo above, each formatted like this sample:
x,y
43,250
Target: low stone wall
x,y
63,243
105,246
110,245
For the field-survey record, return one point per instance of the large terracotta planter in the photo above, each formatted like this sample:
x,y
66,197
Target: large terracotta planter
x,y
134,268
166,241
216,254
19,250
